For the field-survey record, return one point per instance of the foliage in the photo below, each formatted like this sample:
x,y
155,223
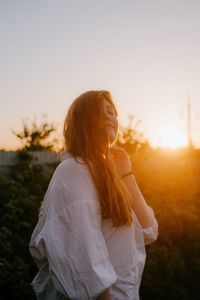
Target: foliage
x,y
169,182
131,138
37,137
21,195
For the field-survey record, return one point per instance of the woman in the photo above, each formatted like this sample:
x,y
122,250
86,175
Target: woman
x,y
89,242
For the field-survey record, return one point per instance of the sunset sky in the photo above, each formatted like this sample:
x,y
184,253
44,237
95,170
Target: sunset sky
x,y
146,52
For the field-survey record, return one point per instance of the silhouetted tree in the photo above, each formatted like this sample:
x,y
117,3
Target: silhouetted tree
x,y
132,139
37,136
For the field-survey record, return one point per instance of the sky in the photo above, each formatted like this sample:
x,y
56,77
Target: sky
x,y
145,52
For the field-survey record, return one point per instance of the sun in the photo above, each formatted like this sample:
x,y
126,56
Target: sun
x,y
172,137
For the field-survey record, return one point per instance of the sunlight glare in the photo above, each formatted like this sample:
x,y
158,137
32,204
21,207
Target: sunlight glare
x,y
172,137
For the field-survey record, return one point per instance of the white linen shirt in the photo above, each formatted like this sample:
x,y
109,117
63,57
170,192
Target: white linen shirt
x,y
85,254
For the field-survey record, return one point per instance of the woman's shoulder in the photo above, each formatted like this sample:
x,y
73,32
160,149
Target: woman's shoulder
x,y
71,168
72,178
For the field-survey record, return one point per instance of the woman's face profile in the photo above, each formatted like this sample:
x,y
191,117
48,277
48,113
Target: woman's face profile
x,y
111,121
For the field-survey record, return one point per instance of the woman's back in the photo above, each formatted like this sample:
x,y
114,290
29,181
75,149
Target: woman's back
x,y
71,213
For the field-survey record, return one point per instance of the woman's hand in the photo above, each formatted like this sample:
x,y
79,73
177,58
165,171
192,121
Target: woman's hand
x,y
121,159
105,295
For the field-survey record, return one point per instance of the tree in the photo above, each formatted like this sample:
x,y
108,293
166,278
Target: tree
x,y
131,138
37,136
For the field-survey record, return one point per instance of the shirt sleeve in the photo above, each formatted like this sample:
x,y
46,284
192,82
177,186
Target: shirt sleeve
x,y
150,233
73,239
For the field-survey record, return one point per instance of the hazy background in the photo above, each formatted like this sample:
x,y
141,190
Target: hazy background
x,y
146,52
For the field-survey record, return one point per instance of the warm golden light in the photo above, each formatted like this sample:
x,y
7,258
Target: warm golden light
x,y
172,137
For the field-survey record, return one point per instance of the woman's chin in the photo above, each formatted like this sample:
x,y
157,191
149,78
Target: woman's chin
x,y
112,139
112,135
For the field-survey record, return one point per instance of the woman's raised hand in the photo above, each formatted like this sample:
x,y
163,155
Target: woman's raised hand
x,y
121,159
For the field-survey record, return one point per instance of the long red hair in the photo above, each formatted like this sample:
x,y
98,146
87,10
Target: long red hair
x,y
85,136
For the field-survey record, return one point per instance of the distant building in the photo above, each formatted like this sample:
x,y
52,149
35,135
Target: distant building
x,y
9,158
